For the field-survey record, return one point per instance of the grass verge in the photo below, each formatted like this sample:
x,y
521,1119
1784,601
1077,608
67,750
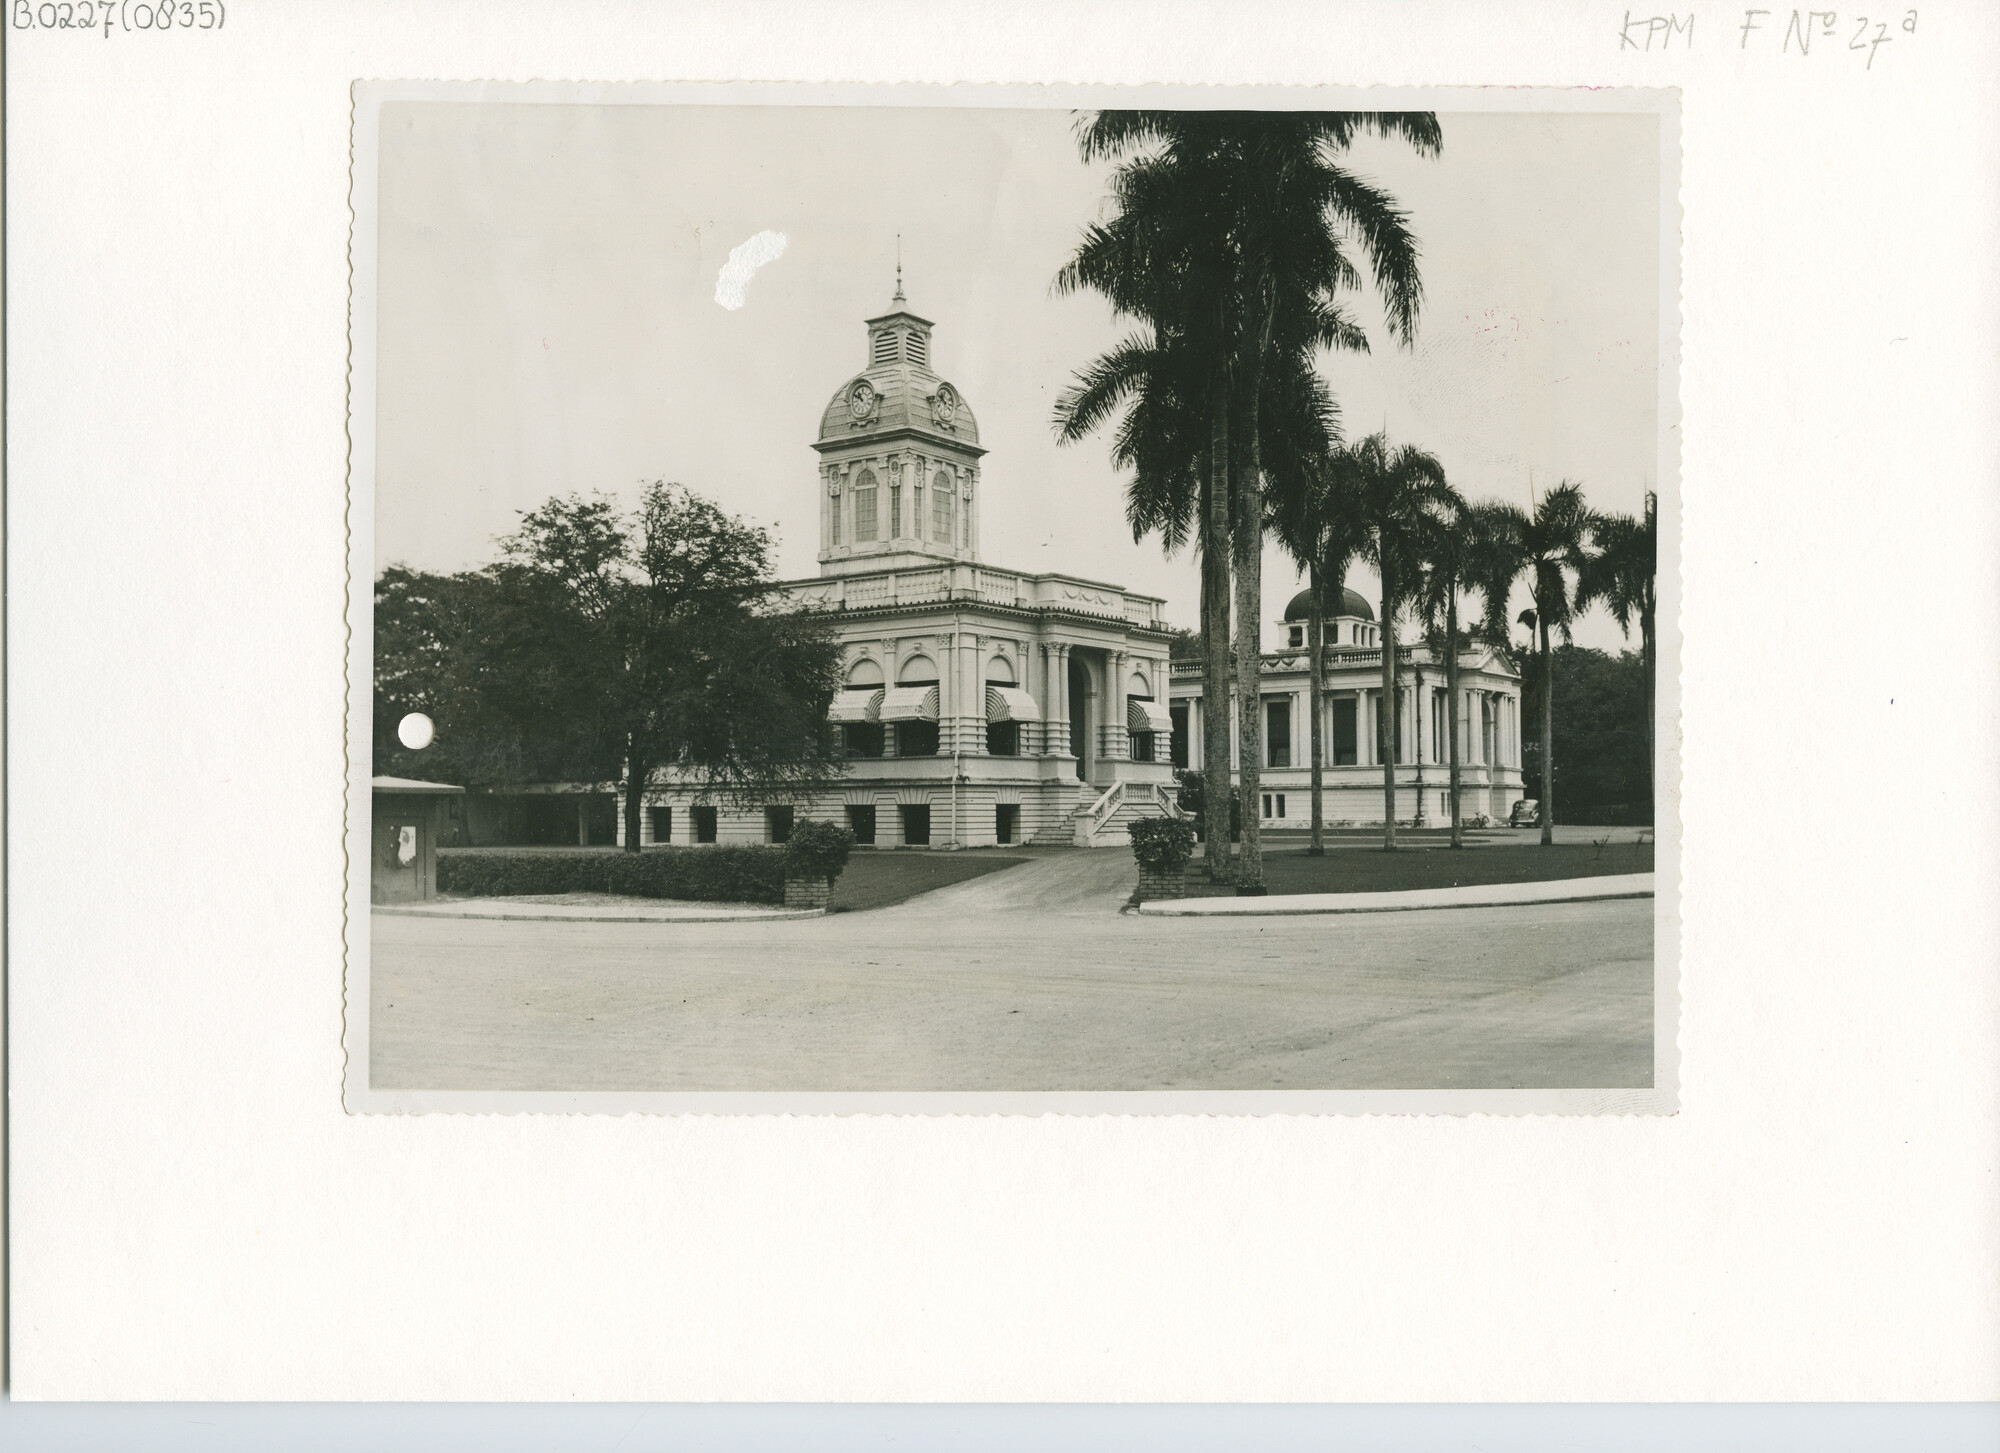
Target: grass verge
x,y
1359,870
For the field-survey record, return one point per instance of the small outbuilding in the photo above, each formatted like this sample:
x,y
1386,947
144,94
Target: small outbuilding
x,y
409,819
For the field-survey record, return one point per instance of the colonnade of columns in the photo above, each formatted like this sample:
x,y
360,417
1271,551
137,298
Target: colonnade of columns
x,y
1488,733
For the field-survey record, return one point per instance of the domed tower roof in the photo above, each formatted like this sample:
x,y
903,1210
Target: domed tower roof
x,y
1351,604
899,459
898,392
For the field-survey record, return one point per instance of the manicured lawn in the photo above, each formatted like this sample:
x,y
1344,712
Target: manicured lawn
x,y
878,879
1362,870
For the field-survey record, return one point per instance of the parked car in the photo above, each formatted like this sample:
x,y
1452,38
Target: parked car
x,y
1527,813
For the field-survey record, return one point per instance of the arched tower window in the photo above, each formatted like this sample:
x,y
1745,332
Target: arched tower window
x,y
943,496
885,347
864,506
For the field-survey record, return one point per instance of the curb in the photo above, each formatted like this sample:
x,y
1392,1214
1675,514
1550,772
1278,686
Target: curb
x,y
1494,895
773,915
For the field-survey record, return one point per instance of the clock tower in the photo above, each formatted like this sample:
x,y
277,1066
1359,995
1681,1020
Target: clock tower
x,y
899,459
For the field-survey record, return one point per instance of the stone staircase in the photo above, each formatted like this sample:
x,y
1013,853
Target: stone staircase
x,y
1061,832
1102,823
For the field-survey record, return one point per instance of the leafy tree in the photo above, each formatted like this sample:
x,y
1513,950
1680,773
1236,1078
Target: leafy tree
x,y
1622,574
1602,755
601,644
469,653
1400,496
1546,546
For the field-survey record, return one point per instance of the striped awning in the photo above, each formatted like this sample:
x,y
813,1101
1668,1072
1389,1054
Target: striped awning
x,y
1010,703
860,703
910,703
1146,716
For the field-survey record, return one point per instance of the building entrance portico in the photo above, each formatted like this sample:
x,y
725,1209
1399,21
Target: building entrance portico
x,y
1079,715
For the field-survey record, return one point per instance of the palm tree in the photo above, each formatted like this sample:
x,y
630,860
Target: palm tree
x,y
1454,550
1547,546
1275,207
1399,494
1622,575
1319,523
1163,261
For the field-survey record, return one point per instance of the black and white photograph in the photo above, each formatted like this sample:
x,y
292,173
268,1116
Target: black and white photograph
x,y
915,603
1001,725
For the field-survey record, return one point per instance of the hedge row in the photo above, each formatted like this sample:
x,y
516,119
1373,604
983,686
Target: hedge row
x,y
703,874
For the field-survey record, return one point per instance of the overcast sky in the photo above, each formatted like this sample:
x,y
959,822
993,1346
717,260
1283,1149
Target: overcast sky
x,y
549,323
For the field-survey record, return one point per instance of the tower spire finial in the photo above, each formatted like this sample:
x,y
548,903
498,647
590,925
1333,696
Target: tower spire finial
x,y
899,270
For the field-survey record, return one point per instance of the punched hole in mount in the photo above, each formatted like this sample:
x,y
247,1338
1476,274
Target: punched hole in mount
x,y
415,731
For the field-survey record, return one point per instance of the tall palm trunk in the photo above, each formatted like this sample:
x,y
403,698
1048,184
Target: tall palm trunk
x,y
1249,562
1215,649
1385,726
1316,638
1548,732
1451,713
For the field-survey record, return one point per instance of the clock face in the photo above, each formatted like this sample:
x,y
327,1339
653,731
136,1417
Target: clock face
x,y
861,400
944,405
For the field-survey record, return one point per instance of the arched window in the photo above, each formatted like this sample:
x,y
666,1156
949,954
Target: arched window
x,y
942,497
864,673
919,670
999,672
864,506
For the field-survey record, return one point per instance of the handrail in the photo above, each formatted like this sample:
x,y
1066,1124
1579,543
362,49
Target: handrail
x,y
1169,799
1093,818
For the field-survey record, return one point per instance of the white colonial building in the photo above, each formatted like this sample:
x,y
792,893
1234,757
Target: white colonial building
x,y
1489,717
980,705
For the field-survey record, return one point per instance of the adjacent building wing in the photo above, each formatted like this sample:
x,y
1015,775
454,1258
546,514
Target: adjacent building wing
x,y
910,703
1010,703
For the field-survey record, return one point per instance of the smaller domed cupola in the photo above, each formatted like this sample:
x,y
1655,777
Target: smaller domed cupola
x,y
1349,622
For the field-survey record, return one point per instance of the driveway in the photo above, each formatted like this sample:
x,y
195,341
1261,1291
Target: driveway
x,y
1025,979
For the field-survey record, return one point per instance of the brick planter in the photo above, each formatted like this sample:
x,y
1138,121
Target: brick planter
x,y
807,892
1162,883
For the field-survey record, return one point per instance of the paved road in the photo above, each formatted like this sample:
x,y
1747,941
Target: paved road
x,y
1025,979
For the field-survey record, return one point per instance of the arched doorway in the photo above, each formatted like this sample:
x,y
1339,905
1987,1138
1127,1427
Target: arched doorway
x,y
1079,715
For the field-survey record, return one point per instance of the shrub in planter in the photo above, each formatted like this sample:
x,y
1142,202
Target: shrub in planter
x,y
1163,846
815,855
818,850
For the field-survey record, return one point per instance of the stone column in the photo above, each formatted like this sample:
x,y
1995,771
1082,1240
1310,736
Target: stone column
x,y
972,694
1114,732
1044,699
1059,733
888,681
